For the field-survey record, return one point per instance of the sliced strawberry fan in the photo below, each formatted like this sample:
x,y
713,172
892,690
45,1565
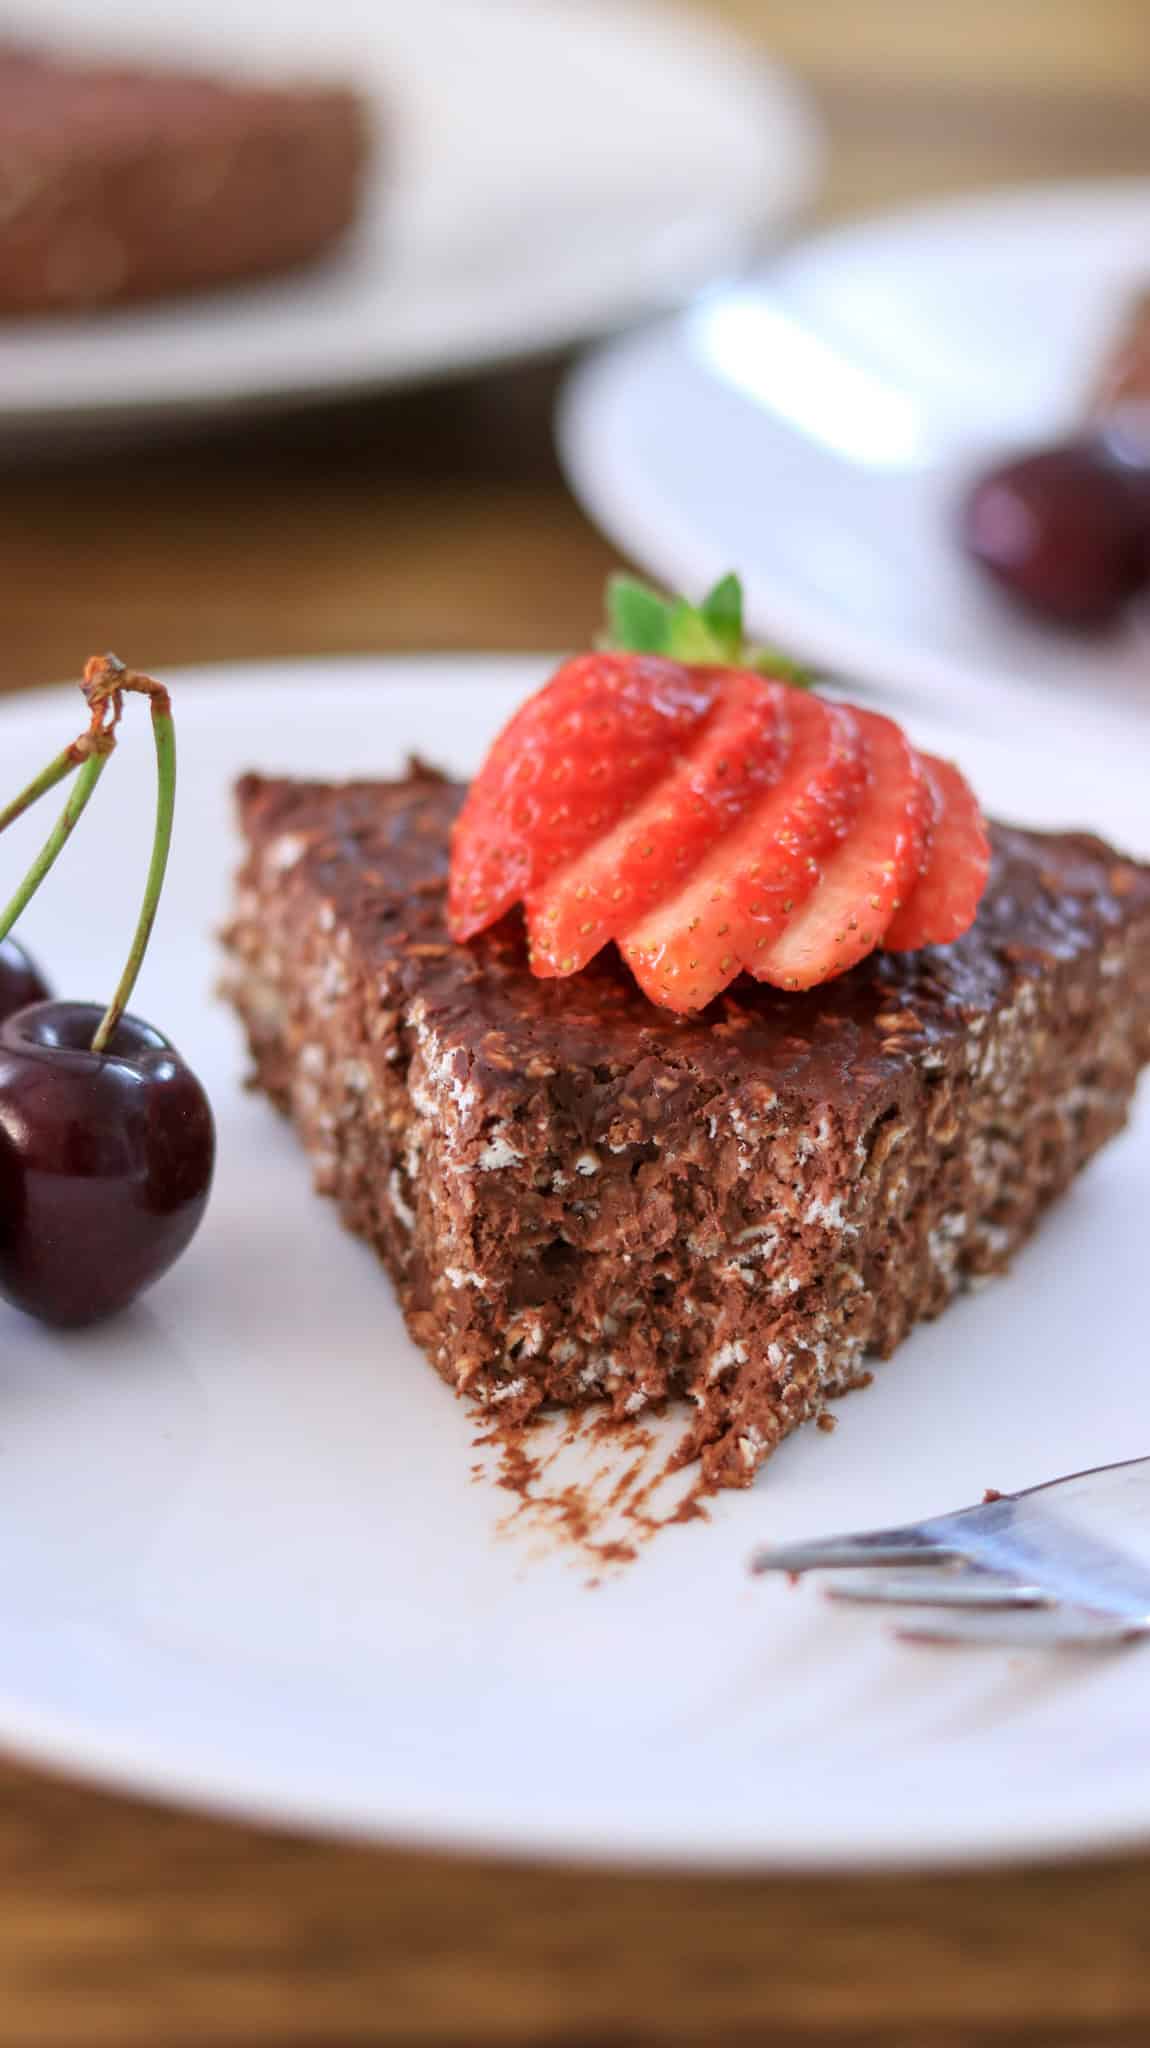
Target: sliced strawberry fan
x,y
690,799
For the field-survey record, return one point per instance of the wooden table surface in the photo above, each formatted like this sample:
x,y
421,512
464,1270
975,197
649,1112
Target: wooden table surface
x,y
441,521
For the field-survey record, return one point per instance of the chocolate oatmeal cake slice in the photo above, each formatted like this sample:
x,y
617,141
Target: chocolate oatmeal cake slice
x,y
580,1196
120,181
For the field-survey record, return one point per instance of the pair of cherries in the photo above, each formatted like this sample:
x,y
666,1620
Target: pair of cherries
x,y
106,1136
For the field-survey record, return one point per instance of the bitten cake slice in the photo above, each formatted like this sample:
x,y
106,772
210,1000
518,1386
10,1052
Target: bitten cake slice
x,y
581,1196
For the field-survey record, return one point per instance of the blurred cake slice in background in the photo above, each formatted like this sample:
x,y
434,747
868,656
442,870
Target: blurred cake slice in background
x,y
122,183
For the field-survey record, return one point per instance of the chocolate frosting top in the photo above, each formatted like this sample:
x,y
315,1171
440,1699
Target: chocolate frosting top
x,y
379,852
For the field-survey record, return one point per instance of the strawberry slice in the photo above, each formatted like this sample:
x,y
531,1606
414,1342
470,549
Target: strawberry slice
x,y
943,904
870,874
682,795
704,794
753,881
565,768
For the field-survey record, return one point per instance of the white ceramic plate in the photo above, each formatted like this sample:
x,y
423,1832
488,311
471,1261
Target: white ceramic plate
x,y
250,1568
815,430
549,170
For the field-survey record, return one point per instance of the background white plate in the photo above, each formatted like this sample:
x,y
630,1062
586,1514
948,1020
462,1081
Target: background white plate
x,y
815,430
248,1567
549,169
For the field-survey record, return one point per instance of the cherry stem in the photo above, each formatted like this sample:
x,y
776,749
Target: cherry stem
x,y
46,780
105,682
100,738
109,679
78,797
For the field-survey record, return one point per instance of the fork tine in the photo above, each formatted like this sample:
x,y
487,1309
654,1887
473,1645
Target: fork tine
x,y
881,1546
940,1589
1040,1628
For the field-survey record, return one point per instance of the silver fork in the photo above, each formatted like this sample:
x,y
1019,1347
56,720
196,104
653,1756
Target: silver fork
x,y
1027,1569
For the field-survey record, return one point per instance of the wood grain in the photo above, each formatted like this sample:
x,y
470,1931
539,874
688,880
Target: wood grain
x,y
439,520
128,1925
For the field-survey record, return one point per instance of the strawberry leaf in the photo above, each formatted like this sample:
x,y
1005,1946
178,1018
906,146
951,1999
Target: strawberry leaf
x,y
769,662
641,621
638,619
722,613
690,638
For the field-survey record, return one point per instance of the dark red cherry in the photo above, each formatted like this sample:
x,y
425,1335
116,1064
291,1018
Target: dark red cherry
x,y
1124,445
21,982
1063,530
105,1161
